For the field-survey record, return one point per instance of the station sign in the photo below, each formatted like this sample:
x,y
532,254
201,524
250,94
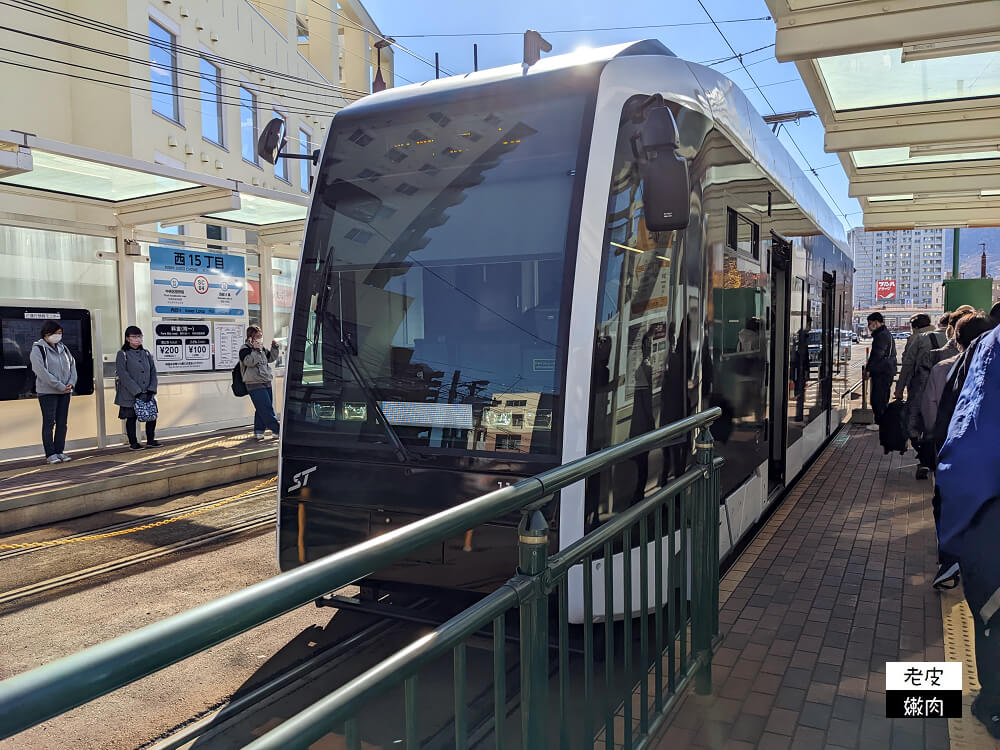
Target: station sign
x,y
197,282
885,289
183,347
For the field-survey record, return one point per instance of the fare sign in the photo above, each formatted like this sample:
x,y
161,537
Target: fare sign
x,y
182,347
885,289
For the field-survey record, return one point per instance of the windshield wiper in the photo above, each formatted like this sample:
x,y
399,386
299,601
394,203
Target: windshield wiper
x,y
347,355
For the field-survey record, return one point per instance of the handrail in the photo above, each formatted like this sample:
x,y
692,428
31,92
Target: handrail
x,y
35,696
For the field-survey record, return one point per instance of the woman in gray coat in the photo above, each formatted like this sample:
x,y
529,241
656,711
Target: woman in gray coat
x,y
135,379
55,376
256,369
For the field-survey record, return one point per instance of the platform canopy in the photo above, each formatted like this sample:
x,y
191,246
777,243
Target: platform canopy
x,y
111,190
909,94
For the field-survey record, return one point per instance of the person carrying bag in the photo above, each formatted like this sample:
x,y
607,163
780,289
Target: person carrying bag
x,y
255,363
135,388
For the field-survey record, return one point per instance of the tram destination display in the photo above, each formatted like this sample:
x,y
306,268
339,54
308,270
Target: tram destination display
x,y
183,347
198,283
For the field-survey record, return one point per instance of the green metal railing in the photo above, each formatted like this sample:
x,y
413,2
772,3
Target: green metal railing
x,y
677,621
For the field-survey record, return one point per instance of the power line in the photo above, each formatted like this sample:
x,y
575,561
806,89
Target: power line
x,y
579,31
738,56
73,19
773,110
141,61
139,88
167,87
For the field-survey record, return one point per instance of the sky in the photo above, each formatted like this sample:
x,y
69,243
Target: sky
x,y
475,21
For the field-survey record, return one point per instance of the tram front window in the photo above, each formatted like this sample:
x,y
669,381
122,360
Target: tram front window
x,y
430,312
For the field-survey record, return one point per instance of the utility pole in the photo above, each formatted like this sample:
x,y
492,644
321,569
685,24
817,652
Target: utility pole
x,y
954,255
475,57
437,66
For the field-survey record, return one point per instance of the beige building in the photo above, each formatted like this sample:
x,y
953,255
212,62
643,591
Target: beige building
x,y
130,124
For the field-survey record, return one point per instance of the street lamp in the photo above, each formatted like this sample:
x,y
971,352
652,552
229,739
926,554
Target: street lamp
x,y
379,83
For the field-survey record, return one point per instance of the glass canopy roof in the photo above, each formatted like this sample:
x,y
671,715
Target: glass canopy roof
x,y
88,179
259,211
880,79
889,157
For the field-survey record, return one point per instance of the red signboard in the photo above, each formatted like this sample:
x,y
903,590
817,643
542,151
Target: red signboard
x,y
885,289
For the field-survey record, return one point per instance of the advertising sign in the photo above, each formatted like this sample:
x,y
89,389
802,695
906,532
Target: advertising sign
x,y
885,289
182,347
229,338
197,282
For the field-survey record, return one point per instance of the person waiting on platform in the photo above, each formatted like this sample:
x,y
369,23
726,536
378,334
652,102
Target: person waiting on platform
x,y
55,376
912,378
969,477
258,376
944,385
881,365
135,380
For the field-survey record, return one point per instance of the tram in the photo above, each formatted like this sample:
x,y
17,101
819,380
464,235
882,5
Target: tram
x,y
508,270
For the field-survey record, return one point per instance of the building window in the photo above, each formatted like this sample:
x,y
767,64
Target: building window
x,y
211,102
508,442
163,71
517,420
743,234
248,125
305,165
215,232
281,165
302,29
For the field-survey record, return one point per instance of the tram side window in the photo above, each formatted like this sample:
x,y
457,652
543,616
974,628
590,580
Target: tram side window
x,y
641,359
743,235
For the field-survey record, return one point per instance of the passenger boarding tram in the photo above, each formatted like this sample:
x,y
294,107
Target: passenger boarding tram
x,y
511,269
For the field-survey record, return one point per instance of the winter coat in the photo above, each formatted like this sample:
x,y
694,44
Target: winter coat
x,y
135,373
932,392
54,370
916,345
882,360
256,370
968,470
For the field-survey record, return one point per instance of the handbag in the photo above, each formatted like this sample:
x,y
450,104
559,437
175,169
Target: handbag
x,y
145,410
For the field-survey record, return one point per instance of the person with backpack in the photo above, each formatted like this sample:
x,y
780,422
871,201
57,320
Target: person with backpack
x,y
55,376
881,365
135,388
912,378
255,368
969,478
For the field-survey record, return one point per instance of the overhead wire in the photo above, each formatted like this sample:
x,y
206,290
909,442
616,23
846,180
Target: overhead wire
x,y
31,6
579,31
773,111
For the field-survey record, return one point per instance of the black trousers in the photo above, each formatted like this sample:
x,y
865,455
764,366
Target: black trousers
x,y
880,395
130,430
943,557
55,413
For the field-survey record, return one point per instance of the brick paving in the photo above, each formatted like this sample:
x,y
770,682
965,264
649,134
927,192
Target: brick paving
x,y
836,584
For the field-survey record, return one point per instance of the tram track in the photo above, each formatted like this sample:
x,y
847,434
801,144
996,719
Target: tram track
x,y
238,526
139,521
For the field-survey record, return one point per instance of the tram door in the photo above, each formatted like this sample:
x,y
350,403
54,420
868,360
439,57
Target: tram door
x,y
781,278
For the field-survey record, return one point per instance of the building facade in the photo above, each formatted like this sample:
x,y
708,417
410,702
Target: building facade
x,y
144,101
912,258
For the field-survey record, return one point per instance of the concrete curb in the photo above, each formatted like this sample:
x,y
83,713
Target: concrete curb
x,y
107,493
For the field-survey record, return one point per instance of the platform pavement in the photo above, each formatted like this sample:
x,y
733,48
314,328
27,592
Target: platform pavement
x,y
33,493
836,584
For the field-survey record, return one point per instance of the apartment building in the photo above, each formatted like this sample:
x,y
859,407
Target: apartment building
x,y
912,258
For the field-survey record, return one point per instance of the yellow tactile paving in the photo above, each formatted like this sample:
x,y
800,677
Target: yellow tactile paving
x,y
966,733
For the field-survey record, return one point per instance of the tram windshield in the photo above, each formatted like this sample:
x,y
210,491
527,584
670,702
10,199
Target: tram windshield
x,y
431,308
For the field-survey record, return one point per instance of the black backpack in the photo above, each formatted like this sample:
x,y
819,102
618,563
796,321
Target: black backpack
x,y
238,386
892,434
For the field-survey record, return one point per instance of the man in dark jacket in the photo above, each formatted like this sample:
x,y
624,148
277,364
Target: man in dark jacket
x,y
881,364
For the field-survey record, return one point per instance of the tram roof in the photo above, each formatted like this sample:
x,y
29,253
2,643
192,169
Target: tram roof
x,y
909,95
717,97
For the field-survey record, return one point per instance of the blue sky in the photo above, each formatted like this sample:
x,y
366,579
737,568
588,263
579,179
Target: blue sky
x,y
780,82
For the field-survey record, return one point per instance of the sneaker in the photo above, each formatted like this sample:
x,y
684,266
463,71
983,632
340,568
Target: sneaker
x,y
872,428
991,718
53,459
922,472
153,443
64,458
136,446
259,436
947,576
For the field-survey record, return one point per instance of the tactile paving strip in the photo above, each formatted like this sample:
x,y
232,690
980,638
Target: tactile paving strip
x,y
966,733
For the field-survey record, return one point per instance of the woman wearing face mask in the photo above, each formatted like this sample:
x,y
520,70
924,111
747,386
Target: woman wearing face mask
x,y
135,379
55,376
257,376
